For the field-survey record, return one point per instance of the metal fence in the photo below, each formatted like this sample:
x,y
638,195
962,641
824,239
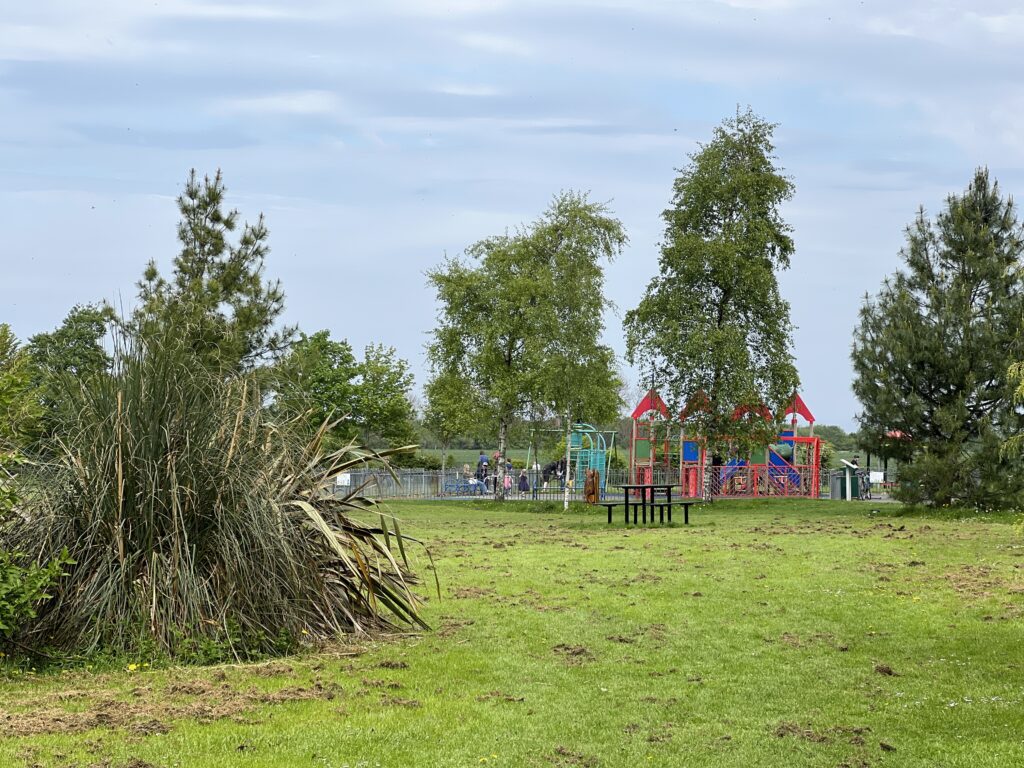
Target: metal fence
x,y
453,484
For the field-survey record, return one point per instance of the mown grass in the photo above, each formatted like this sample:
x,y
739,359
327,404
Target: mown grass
x,y
770,634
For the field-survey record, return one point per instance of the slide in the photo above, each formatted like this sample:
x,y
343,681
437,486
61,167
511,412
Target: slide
x,y
781,471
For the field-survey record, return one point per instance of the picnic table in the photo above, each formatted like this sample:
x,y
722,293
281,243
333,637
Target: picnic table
x,y
648,494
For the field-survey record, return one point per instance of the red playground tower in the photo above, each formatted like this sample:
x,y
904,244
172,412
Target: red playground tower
x,y
662,452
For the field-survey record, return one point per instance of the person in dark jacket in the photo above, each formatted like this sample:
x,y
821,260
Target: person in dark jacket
x,y
524,483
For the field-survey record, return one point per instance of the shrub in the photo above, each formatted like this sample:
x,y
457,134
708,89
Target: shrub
x,y
416,460
195,519
23,588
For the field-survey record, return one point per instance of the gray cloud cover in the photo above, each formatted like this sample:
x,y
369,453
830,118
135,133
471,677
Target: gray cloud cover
x,y
376,139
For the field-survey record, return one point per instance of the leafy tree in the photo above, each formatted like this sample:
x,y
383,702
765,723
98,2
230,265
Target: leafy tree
x,y
383,408
217,294
578,378
840,439
930,353
488,323
20,409
76,346
451,410
317,379
712,325
73,349
513,319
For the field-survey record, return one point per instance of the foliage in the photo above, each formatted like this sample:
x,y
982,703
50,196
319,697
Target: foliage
x,y
382,398
452,408
20,410
827,456
930,354
416,460
572,240
195,519
317,382
507,317
76,346
839,437
217,297
578,380
712,326
24,587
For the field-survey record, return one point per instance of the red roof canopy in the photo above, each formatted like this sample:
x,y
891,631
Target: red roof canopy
x,y
650,402
799,407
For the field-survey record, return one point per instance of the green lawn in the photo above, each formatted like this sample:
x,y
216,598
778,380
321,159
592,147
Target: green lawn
x,y
767,634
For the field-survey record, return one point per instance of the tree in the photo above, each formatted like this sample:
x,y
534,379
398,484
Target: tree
x,y
930,353
76,346
383,408
317,380
451,410
712,326
578,379
217,294
74,349
510,316
20,409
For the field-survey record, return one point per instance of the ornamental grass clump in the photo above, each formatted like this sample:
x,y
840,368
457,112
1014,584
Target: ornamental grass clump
x,y
194,519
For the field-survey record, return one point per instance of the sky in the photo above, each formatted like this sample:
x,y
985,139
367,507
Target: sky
x,y
379,137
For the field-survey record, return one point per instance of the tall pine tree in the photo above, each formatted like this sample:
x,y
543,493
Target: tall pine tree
x,y
217,296
931,352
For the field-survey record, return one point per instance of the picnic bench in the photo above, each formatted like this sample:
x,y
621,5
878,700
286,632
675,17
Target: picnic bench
x,y
648,496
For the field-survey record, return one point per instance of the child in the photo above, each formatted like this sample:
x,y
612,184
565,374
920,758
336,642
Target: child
x,y
524,484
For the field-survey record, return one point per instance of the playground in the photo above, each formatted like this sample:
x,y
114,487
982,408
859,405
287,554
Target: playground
x,y
770,632
666,451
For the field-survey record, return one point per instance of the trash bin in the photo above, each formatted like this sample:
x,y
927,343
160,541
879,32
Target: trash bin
x,y
837,485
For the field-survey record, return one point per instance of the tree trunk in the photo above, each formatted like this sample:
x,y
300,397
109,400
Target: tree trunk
x,y
499,483
568,457
444,458
707,492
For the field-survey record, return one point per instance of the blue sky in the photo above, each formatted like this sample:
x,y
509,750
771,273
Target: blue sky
x,y
377,137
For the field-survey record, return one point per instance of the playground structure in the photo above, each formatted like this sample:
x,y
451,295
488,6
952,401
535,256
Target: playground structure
x,y
661,451
589,449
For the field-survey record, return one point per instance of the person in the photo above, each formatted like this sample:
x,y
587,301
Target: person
x,y
524,484
508,484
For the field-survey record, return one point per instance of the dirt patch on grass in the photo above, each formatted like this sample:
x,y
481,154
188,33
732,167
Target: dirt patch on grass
x,y
396,701
198,701
975,581
566,757
388,664
467,593
852,734
500,696
450,626
573,654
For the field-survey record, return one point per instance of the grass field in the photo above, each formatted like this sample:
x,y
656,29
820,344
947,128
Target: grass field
x,y
773,634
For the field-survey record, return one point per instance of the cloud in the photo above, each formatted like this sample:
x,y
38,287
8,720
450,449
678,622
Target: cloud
x,y
292,103
497,45
457,89
380,136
